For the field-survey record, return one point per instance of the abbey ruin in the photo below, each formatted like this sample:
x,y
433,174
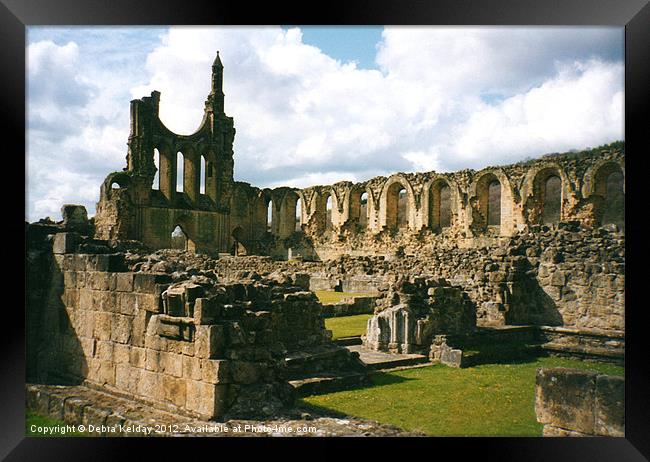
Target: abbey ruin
x,y
227,326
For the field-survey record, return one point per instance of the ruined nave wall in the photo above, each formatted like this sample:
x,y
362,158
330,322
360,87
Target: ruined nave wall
x,y
466,208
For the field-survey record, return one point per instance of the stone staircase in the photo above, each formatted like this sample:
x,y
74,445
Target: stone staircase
x,y
320,371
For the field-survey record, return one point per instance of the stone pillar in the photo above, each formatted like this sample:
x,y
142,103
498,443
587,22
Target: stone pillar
x,y
167,174
191,180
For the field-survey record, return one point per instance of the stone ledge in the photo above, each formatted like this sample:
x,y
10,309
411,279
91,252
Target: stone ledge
x,y
82,405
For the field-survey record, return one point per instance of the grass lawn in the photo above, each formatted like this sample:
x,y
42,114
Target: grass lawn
x,y
329,297
347,326
485,400
33,421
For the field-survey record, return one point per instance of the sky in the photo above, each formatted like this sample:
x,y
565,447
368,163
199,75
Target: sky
x,y
317,105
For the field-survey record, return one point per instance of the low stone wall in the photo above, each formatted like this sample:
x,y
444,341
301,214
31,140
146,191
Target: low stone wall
x,y
572,402
603,345
350,307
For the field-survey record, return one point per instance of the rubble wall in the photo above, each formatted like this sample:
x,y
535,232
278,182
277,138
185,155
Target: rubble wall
x,y
206,349
565,275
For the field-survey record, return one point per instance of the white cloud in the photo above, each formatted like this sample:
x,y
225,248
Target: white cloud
x,y
441,98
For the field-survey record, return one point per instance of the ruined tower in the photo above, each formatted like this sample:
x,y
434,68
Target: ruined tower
x,y
151,196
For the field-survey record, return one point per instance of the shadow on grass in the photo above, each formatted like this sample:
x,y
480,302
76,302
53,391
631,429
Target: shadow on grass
x,y
320,411
476,355
379,379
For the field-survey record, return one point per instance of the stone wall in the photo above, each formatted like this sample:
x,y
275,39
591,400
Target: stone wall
x,y
589,189
572,402
201,347
413,311
350,306
565,275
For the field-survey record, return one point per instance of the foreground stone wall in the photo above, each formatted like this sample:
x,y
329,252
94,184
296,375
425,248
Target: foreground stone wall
x,y
196,346
572,402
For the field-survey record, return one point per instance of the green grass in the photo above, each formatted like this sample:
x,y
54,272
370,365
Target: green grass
x,y
34,421
329,297
347,326
486,400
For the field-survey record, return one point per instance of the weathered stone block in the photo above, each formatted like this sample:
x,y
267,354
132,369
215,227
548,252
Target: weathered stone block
x,y
92,415
127,378
206,311
175,390
151,385
56,406
73,409
124,282
145,283
147,302
558,279
610,405
98,280
216,371
152,360
121,328
206,399
565,398
104,350
65,243
102,330
69,279
106,373
191,367
121,353
106,262
174,304
209,341
79,262
126,303
171,364
137,357
86,299
138,333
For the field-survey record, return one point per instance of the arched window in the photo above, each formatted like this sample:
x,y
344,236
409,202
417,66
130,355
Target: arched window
x,y
397,206
363,209
552,200
269,217
328,212
402,209
156,177
202,175
180,169
445,206
440,205
179,238
298,226
494,203
614,207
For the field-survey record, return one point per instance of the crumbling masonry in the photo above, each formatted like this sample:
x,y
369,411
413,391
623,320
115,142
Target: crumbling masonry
x,y
533,251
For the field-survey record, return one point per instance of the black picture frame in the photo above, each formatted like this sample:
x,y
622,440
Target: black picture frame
x,y
16,15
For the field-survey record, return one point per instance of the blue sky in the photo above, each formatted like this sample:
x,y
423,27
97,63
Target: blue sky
x,y
316,105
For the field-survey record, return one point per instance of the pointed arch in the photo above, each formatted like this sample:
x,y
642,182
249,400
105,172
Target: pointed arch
x,y
389,202
544,191
491,200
